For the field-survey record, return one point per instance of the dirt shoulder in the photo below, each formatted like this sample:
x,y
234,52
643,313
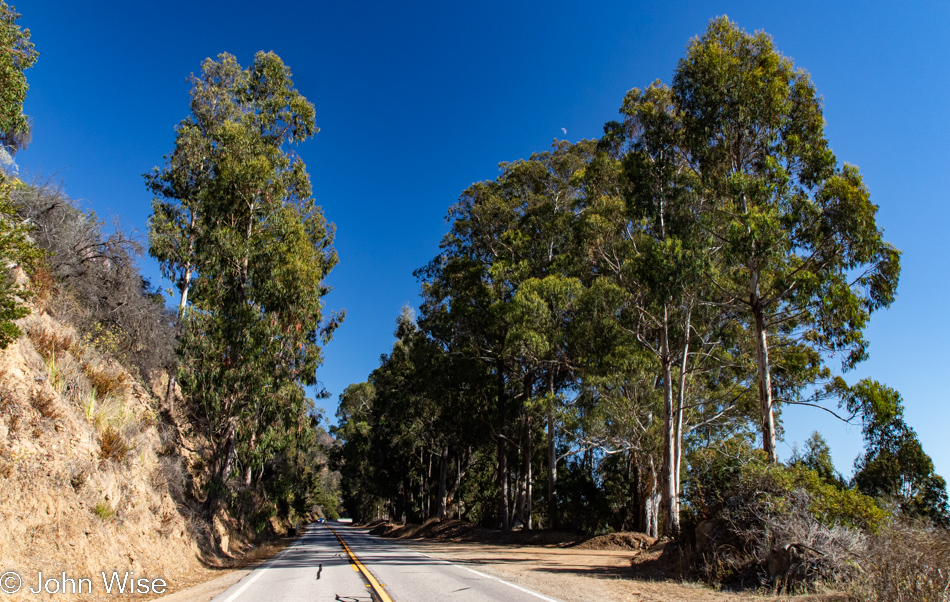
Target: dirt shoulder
x,y
621,567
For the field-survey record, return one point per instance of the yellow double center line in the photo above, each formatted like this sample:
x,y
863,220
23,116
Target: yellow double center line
x,y
373,583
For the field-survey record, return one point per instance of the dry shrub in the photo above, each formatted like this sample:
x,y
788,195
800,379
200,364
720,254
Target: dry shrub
x,y
906,562
799,550
50,342
106,380
78,472
45,402
781,527
112,445
43,283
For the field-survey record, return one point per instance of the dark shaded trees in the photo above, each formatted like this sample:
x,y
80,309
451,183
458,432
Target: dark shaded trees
x,y
894,466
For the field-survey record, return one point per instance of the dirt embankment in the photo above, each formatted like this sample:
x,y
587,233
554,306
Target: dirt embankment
x,y
92,477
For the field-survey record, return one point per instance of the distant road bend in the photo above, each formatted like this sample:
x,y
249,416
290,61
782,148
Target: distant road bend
x,y
339,563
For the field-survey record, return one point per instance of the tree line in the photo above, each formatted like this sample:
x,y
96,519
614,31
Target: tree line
x,y
603,312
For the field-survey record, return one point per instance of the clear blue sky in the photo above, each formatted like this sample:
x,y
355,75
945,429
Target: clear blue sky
x,y
418,100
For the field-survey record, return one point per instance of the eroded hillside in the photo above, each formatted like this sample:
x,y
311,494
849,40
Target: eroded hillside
x,y
92,478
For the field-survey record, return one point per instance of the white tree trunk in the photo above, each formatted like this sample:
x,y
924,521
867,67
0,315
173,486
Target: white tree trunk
x,y
651,504
668,492
764,374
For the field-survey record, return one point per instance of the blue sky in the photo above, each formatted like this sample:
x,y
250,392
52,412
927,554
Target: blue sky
x,y
418,100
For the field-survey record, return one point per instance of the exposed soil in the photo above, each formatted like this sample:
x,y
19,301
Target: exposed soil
x,y
92,475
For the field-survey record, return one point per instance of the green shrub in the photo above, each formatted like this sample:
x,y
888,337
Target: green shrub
x,y
103,510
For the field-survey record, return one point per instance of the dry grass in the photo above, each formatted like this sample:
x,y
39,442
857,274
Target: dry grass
x,y
47,405
906,563
112,445
50,342
106,380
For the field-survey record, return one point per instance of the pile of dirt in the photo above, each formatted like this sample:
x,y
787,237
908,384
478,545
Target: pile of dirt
x,y
618,541
664,559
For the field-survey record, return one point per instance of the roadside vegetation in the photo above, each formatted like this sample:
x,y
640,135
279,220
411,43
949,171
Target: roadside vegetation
x,y
123,418
608,334
611,328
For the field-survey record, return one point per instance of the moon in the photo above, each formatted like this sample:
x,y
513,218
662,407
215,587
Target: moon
x,y
564,130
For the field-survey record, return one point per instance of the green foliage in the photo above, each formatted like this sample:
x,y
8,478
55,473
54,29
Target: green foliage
x,y
18,251
16,55
733,477
894,466
817,457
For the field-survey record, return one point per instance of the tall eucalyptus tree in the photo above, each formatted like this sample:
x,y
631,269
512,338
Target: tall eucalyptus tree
x,y
236,229
799,252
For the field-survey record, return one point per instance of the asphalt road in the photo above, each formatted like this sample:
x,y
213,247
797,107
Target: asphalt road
x,y
318,567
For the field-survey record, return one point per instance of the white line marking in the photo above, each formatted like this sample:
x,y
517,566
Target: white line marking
x,y
480,574
259,571
509,584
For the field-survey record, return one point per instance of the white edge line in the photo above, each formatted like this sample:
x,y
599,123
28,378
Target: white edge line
x,y
493,578
257,574
235,595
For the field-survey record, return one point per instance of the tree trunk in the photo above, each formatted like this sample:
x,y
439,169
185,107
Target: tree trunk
x,y
634,491
552,473
443,474
765,378
182,303
517,506
227,464
651,504
678,422
529,501
503,517
668,492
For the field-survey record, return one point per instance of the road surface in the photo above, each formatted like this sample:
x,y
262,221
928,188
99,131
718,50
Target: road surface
x,y
339,563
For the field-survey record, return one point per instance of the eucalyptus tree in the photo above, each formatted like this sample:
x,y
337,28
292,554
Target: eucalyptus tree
x,y
355,423
647,248
236,229
16,55
894,465
798,251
